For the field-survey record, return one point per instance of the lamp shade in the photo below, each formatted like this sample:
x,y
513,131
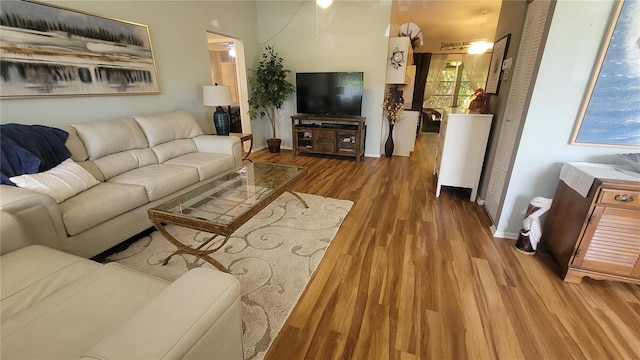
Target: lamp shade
x,y
217,95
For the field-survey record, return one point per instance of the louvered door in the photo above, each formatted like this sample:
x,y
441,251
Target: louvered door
x,y
611,239
519,94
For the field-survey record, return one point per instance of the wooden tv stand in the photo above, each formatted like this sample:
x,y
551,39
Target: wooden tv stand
x,y
334,135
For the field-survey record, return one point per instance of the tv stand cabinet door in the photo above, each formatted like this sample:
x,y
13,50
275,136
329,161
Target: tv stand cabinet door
x,y
324,141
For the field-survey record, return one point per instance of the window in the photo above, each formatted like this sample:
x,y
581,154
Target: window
x,y
443,96
465,90
454,88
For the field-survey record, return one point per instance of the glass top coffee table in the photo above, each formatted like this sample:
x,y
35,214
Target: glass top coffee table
x,y
224,204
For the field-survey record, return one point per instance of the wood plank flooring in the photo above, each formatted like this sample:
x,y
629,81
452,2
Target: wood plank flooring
x,y
411,276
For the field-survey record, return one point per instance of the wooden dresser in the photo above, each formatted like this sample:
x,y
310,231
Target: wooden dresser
x,y
597,235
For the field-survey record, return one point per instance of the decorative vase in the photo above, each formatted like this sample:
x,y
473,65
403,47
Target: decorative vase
x,y
221,121
389,145
274,145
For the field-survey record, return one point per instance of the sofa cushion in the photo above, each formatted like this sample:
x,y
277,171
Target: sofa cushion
x,y
166,127
172,149
208,165
107,137
207,326
74,144
99,204
159,180
118,163
70,321
61,182
91,167
32,273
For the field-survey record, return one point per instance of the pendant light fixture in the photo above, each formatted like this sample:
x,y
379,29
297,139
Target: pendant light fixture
x,y
324,3
321,4
480,46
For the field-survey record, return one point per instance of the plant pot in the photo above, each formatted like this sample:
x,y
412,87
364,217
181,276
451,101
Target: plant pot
x,y
274,145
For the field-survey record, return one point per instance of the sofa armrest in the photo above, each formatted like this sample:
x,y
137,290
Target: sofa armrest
x,y
214,144
196,317
38,214
11,234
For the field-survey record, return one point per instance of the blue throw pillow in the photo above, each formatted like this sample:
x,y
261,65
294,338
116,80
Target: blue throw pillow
x,y
29,149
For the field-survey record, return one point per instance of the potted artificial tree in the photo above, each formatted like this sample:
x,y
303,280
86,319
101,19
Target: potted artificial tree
x,y
270,89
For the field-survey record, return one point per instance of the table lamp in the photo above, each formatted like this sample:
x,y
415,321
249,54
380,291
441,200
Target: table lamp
x,y
218,95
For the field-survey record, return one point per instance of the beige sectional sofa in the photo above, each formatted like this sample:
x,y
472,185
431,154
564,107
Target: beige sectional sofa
x,y
139,162
55,305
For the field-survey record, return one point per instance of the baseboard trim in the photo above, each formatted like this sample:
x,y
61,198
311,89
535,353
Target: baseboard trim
x,y
502,234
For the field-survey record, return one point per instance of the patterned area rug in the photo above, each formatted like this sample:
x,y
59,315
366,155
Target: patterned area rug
x,y
273,256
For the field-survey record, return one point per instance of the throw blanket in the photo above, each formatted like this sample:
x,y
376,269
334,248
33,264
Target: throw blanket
x,y
29,149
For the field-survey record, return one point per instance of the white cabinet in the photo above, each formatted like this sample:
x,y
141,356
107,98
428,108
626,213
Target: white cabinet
x,y
404,133
462,143
407,89
399,58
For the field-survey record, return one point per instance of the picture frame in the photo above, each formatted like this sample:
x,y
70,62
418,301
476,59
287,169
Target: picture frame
x,y
609,115
495,66
49,51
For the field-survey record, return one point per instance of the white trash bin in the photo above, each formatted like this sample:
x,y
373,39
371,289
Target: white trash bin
x,y
531,231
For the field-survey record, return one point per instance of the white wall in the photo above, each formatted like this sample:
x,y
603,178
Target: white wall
x,y
574,41
178,35
350,37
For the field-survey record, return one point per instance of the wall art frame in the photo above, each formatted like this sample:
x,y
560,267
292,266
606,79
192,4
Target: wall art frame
x,y
609,115
495,66
48,51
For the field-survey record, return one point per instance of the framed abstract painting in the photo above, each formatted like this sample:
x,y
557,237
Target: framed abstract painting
x,y
610,114
47,50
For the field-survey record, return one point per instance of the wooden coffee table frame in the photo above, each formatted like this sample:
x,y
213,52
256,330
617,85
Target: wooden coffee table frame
x,y
161,216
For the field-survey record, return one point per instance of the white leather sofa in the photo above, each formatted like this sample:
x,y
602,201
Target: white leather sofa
x,y
140,162
55,305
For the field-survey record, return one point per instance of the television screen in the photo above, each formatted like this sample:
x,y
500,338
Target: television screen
x,y
329,93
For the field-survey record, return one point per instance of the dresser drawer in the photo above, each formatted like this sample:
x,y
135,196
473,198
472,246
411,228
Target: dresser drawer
x,y
325,135
619,198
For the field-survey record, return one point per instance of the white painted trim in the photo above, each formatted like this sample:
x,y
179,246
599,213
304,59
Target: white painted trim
x,y
502,234
242,86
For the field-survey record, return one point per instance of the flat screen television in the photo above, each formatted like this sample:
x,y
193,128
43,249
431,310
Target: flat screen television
x,y
329,93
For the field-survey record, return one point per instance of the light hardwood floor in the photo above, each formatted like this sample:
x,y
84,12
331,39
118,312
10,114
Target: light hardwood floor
x,y
412,276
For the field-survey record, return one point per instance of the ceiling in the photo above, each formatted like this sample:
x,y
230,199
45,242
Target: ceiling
x,y
448,21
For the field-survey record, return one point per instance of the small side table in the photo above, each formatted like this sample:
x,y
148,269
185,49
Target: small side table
x,y
245,137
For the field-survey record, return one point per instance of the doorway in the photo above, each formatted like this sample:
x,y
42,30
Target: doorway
x,y
451,80
227,63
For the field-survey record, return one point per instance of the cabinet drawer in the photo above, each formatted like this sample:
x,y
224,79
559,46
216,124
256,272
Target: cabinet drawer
x,y
620,198
325,135
325,147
